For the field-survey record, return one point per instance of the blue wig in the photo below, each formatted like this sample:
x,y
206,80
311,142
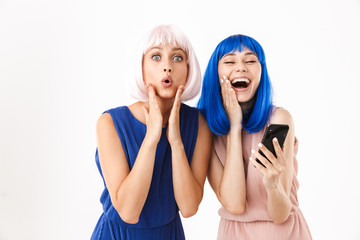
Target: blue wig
x,y
210,102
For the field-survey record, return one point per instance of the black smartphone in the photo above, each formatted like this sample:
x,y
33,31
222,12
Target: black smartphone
x,y
273,130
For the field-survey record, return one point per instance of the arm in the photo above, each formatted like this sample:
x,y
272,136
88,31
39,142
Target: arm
x,y
188,181
278,176
228,181
128,189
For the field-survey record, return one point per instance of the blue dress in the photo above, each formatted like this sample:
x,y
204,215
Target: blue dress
x,y
159,219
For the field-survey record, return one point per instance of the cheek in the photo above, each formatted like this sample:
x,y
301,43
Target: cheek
x,y
148,72
256,72
222,71
184,71
259,71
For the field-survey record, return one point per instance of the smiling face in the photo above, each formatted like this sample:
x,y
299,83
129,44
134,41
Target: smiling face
x,y
165,67
243,70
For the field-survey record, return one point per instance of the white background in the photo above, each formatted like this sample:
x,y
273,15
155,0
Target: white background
x,y
62,63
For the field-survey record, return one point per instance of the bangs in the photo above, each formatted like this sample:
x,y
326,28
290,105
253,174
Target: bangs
x,y
239,43
163,36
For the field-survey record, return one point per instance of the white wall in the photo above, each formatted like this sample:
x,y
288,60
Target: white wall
x,y
64,62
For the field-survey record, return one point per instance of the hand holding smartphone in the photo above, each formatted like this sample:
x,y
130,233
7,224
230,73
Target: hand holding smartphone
x,y
273,130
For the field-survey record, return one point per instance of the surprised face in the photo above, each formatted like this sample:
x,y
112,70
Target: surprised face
x,y
165,67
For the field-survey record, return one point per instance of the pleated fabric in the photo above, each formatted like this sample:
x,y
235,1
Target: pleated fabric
x,y
159,218
109,230
255,223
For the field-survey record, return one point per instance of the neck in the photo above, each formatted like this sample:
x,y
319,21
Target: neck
x,y
165,106
247,106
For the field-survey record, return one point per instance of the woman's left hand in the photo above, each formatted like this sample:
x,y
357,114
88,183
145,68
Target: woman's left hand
x,y
274,168
173,131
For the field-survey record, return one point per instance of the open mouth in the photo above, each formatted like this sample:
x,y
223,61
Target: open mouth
x,y
167,81
240,83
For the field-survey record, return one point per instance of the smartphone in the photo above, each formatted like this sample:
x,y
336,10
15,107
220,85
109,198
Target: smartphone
x,y
273,130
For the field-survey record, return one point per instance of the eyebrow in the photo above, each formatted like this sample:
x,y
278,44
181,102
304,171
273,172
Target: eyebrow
x,y
251,53
246,54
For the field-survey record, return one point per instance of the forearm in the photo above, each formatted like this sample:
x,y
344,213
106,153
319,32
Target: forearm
x,y
232,189
188,191
132,194
279,204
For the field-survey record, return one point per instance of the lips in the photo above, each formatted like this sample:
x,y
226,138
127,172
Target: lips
x,y
166,81
240,83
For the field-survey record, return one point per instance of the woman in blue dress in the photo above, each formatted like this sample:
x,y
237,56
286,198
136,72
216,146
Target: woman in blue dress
x,y
153,155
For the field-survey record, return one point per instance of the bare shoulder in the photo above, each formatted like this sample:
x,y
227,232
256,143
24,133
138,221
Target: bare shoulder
x,y
203,124
281,116
137,111
105,121
135,107
204,134
202,120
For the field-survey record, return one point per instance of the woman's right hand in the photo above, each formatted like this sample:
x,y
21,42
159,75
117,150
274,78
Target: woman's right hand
x,y
153,116
231,104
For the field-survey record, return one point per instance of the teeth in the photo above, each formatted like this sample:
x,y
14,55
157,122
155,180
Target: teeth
x,y
241,80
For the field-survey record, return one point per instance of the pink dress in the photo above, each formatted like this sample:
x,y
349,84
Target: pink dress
x,y
255,223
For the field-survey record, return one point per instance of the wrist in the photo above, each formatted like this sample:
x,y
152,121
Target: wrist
x,y
178,144
151,141
273,187
235,129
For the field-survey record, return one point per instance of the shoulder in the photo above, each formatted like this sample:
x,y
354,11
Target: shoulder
x,y
281,116
106,120
202,120
203,126
116,110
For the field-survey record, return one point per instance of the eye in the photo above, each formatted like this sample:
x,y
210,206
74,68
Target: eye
x,y
251,61
156,57
177,58
229,62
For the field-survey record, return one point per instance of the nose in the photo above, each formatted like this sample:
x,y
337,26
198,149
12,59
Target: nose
x,y
167,68
241,67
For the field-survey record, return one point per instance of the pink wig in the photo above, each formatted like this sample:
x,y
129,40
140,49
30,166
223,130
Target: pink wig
x,y
169,34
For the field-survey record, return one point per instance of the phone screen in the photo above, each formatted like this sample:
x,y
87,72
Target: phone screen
x,y
273,130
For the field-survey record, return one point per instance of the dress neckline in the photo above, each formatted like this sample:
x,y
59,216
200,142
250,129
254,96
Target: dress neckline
x,y
137,120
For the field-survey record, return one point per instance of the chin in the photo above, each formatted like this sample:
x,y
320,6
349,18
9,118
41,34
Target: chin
x,y
243,99
166,95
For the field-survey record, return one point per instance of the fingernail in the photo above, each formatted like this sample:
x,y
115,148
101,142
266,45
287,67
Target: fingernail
x,y
252,150
275,139
250,158
260,144
224,77
227,81
231,89
222,81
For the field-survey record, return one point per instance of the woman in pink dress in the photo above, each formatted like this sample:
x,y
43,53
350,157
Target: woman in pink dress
x,y
259,201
